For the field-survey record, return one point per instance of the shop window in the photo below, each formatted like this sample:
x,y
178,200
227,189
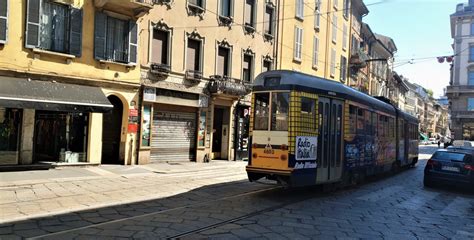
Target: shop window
x,y
202,129
10,123
261,111
280,110
146,126
61,136
54,27
115,39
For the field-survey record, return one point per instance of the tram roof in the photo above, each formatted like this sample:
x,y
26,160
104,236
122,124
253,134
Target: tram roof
x,y
291,80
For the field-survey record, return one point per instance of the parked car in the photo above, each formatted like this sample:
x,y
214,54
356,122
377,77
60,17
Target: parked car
x,y
433,140
452,166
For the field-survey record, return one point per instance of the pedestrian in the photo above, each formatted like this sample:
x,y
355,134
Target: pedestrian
x,y
439,143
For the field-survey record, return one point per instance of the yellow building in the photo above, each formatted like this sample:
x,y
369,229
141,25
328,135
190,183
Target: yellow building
x,y
69,80
198,59
313,37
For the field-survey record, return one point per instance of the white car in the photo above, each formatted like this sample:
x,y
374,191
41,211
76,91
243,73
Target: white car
x,y
432,140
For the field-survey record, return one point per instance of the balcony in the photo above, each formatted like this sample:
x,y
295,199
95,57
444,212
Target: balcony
x,y
228,86
160,69
358,59
193,76
138,7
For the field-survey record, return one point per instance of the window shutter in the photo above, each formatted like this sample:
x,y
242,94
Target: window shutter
x,y
33,15
100,33
295,49
3,21
133,42
75,33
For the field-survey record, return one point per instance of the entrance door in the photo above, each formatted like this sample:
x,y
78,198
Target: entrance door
x,y
111,132
329,140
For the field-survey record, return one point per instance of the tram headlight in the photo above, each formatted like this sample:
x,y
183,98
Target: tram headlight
x,y
283,157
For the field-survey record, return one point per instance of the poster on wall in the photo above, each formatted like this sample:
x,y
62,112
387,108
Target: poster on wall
x,y
306,152
202,129
146,125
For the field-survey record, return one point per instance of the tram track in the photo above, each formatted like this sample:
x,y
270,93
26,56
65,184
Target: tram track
x,y
98,225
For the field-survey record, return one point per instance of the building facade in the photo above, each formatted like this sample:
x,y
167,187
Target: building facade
x,y
358,78
314,37
198,59
69,81
461,89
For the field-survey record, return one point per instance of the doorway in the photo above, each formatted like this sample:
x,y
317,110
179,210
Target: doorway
x,y
220,135
111,132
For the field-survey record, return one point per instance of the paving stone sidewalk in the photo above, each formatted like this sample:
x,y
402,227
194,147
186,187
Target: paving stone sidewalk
x,y
34,194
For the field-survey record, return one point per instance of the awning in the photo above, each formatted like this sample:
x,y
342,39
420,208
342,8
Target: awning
x,y
42,95
423,136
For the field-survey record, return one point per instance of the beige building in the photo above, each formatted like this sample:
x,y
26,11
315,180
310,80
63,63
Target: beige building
x,y
358,53
198,59
69,81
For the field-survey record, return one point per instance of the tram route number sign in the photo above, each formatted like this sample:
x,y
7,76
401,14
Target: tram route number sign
x,y
306,148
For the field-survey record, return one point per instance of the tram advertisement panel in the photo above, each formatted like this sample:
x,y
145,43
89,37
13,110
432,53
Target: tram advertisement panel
x,y
306,152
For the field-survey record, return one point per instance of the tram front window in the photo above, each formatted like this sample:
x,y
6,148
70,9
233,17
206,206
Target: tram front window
x,y
280,109
262,110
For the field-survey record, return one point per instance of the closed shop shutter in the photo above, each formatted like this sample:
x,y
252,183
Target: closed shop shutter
x,y
173,136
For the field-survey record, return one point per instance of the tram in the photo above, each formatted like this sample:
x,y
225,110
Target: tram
x,y
306,130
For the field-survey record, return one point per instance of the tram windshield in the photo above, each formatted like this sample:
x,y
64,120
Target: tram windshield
x,y
276,103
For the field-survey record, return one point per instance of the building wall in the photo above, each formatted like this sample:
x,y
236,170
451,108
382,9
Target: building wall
x,y
324,34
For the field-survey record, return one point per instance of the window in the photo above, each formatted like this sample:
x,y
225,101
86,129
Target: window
x,y
280,110
227,8
472,29
223,61
115,39
470,104
360,121
298,43
352,119
262,111
471,53
334,28
470,78
346,8
317,15
267,65
193,55
197,3
269,20
343,68
247,68
344,37
308,114
355,44
3,21
300,9
315,51
333,62
160,47
250,13
53,27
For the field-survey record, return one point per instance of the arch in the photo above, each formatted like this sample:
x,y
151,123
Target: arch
x,y
112,130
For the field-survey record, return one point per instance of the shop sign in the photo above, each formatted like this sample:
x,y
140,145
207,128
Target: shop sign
x,y
132,127
133,116
149,94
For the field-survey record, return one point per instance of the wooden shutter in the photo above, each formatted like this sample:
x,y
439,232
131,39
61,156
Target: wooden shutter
x,y
100,34
248,12
3,21
268,20
133,42
159,47
75,33
193,52
220,61
315,51
33,15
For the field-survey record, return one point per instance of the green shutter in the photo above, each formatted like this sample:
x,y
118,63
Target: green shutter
x,y
75,33
3,21
33,16
100,34
133,42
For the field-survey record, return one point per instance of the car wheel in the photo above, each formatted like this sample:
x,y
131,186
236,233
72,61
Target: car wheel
x,y
427,182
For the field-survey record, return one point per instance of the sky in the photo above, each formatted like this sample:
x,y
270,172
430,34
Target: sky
x,y
421,31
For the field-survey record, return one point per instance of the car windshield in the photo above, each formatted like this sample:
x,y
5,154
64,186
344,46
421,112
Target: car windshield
x,y
448,156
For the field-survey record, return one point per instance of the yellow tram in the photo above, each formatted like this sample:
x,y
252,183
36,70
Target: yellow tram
x,y
306,130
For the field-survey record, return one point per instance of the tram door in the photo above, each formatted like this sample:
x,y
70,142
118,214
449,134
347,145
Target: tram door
x,y
329,140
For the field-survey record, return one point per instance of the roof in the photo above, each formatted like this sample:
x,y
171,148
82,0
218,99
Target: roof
x,y
387,42
291,80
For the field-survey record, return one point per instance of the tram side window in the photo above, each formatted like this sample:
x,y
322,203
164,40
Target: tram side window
x,y
381,126
352,119
308,114
391,125
280,110
387,127
262,101
368,126
374,124
360,121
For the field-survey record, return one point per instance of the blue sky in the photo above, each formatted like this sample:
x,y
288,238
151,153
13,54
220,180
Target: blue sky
x,y
420,29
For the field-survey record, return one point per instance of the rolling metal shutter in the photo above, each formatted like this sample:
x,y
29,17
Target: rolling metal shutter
x,y
173,136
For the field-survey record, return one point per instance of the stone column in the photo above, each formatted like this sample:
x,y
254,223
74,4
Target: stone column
x,y
27,134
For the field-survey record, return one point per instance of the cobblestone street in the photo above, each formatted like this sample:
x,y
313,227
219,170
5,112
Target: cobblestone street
x,y
218,202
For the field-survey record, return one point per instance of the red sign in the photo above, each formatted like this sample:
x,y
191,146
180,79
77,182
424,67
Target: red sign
x,y
133,113
132,128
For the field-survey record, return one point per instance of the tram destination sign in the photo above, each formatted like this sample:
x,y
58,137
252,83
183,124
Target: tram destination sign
x,y
306,148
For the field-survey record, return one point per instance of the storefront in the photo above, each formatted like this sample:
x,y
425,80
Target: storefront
x,y
10,125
